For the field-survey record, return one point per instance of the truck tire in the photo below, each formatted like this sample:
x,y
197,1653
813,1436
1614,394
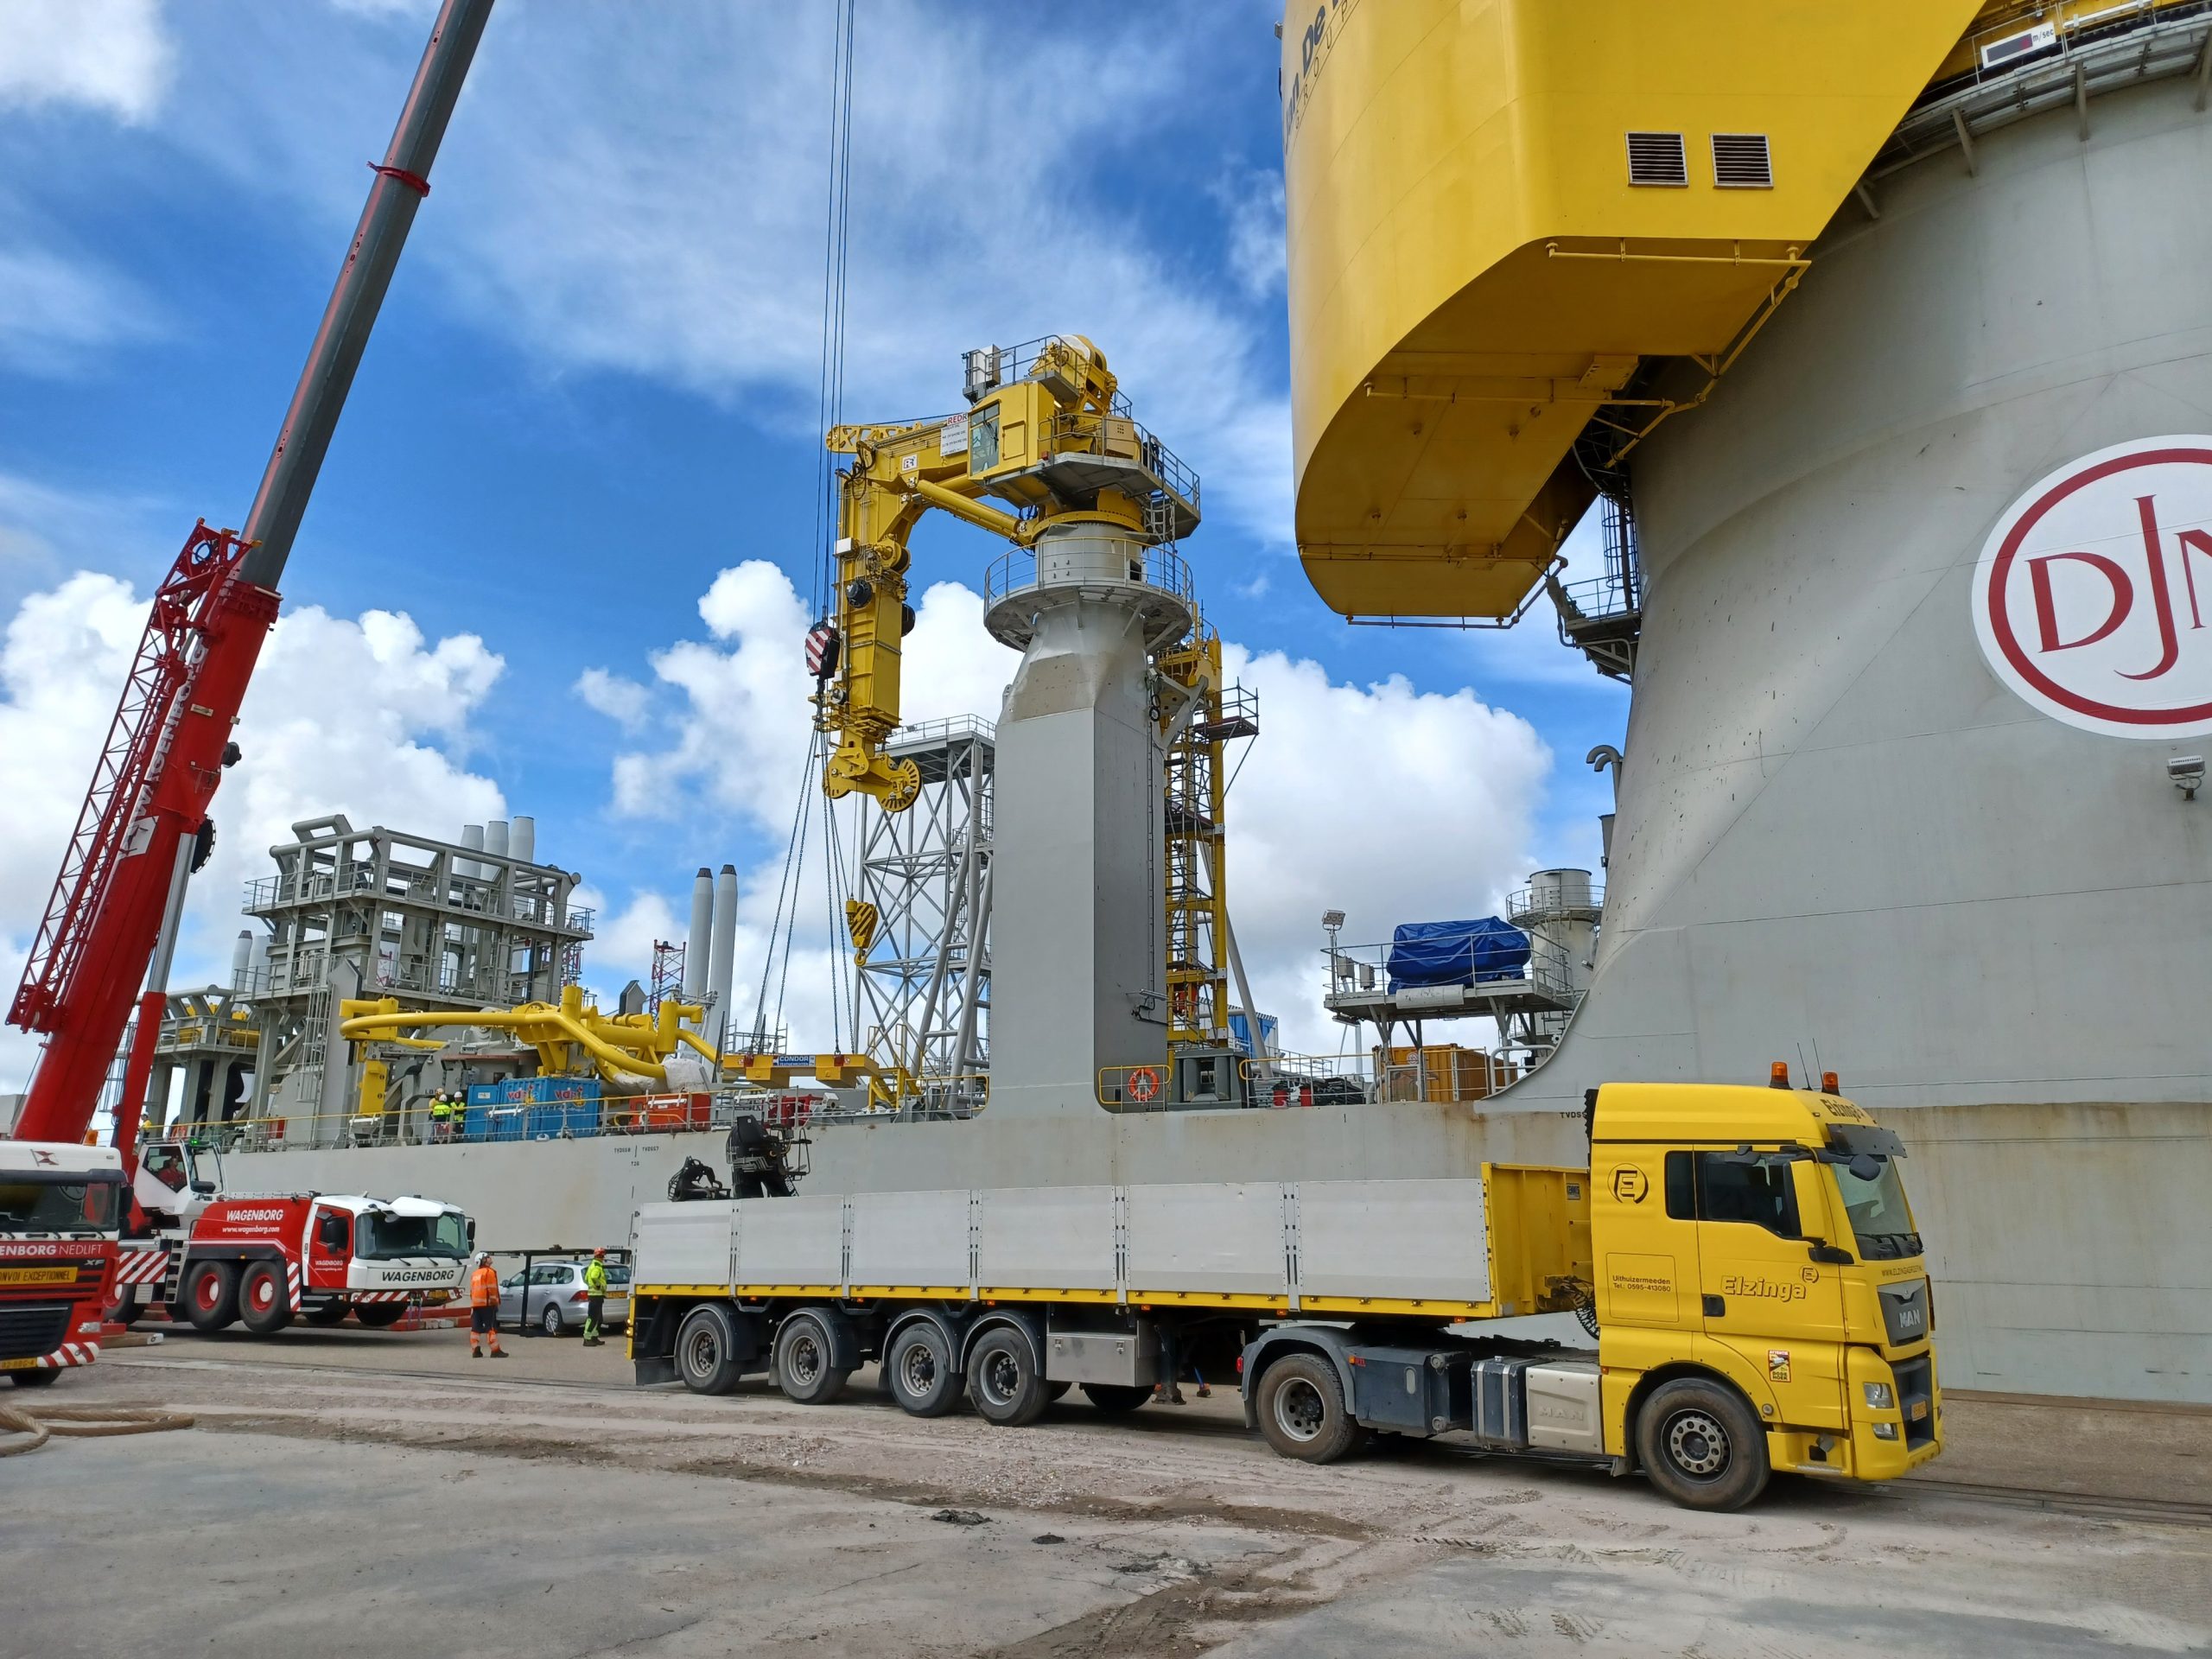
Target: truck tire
x,y
123,1310
919,1372
265,1300
710,1352
1003,1379
805,1359
34,1379
1701,1445
1302,1411
211,1295
333,1312
1116,1399
377,1316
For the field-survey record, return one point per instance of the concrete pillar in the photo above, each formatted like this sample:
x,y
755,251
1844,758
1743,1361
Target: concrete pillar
x,y
722,956
696,943
1077,981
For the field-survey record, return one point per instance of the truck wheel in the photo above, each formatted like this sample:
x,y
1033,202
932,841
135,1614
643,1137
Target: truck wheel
x,y
1054,1391
264,1302
709,1355
1116,1399
34,1379
806,1360
1701,1445
1301,1409
123,1310
379,1315
918,1371
333,1312
1003,1381
211,1295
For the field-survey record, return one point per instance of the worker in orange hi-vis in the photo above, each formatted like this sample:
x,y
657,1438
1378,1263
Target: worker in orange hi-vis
x,y
484,1309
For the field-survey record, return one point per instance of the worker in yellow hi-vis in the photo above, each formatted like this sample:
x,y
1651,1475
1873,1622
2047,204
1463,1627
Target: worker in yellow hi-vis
x,y
595,1295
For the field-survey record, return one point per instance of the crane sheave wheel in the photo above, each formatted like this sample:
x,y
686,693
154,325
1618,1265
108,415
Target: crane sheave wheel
x,y
919,1371
1702,1444
1302,1410
708,1352
1003,1379
264,1298
806,1359
211,1295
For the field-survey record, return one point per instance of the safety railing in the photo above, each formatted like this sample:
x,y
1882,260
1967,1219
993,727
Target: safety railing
x,y
1363,970
1119,437
1015,572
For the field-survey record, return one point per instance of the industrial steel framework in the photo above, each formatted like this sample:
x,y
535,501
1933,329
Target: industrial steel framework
x,y
372,913
925,872
1194,870
667,984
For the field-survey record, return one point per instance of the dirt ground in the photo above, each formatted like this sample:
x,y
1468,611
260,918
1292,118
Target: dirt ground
x,y
359,1492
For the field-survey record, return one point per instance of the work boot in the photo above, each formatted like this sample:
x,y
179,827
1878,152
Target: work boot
x,y
498,1353
476,1353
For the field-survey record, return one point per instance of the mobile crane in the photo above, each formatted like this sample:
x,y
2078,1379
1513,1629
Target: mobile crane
x,y
144,827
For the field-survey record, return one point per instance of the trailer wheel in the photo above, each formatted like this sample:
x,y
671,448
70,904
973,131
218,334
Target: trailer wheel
x,y
1116,1399
1003,1379
379,1315
708,1353
333,1312
211,1295
1302,1411
806,1360
264,1301
919,1373
1701,1445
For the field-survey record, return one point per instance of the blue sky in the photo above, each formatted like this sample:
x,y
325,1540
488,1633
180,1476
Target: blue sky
x,y
592,390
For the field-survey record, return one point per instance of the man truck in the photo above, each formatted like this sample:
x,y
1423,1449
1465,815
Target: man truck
x,y
1743,1260
60,1206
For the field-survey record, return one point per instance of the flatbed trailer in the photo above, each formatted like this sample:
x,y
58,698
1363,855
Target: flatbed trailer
x,y
1730,1334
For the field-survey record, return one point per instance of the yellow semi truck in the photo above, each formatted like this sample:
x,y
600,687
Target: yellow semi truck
x,y
1743,1260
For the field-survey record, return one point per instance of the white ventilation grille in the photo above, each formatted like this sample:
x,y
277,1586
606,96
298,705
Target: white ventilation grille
x,y
1657,158
1740,161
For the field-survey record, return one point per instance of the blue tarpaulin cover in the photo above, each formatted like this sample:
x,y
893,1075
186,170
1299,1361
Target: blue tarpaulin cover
x,y
1455,953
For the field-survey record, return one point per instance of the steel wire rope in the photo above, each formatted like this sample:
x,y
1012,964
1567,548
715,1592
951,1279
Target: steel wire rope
x,y
829,402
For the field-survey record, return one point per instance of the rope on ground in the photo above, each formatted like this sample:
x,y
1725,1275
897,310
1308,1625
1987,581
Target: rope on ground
x,y
83,1421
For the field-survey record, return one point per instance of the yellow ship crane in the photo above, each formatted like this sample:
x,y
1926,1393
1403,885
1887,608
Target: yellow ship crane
x,y
1046,432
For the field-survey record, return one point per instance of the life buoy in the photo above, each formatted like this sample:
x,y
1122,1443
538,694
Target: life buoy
x,y
1143,1084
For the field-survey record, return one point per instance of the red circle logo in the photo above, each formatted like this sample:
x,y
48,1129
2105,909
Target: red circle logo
x,y
2093,597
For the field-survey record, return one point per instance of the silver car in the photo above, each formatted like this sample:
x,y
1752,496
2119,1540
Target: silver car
x,y
556,1302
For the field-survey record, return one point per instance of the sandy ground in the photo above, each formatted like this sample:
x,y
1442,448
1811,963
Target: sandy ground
x,y
353,1493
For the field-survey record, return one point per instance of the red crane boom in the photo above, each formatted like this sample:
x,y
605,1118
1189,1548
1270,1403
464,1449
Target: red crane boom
x,y
143,828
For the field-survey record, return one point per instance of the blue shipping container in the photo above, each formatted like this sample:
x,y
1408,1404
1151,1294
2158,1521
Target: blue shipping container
x,y
550,1120
492,1122
484,1093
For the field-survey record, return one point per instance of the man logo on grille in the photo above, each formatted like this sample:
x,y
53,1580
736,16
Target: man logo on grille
x,y
2093,592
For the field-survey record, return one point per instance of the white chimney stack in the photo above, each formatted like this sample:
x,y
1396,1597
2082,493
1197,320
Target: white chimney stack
x,y
721,958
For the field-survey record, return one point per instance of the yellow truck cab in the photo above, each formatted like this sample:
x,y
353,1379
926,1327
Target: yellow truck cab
x,y
1758,1277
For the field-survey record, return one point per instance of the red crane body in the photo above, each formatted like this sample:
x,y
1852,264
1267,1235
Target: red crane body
x,y
117,903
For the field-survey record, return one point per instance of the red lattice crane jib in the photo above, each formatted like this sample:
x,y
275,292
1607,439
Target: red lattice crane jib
x,y
156,774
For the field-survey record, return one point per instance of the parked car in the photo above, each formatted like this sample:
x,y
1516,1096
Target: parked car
x,y
557,1300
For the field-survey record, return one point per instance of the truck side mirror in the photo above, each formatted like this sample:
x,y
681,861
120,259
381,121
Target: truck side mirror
x,y
333,1233
1828,1255
1865,1167
204,1189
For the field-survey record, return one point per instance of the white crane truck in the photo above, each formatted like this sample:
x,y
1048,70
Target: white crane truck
x,y
1745,1258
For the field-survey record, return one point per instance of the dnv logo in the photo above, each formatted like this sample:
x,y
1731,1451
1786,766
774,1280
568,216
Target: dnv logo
x,y
2093,598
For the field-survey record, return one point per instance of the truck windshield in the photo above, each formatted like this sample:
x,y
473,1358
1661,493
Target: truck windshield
x,y
40,1202
380,1235
1879,1219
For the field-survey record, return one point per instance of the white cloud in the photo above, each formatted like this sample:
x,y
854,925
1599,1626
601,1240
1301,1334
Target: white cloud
x,y
1390,803
54,309
622,701
337,720
652,202
1258,244
111,55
